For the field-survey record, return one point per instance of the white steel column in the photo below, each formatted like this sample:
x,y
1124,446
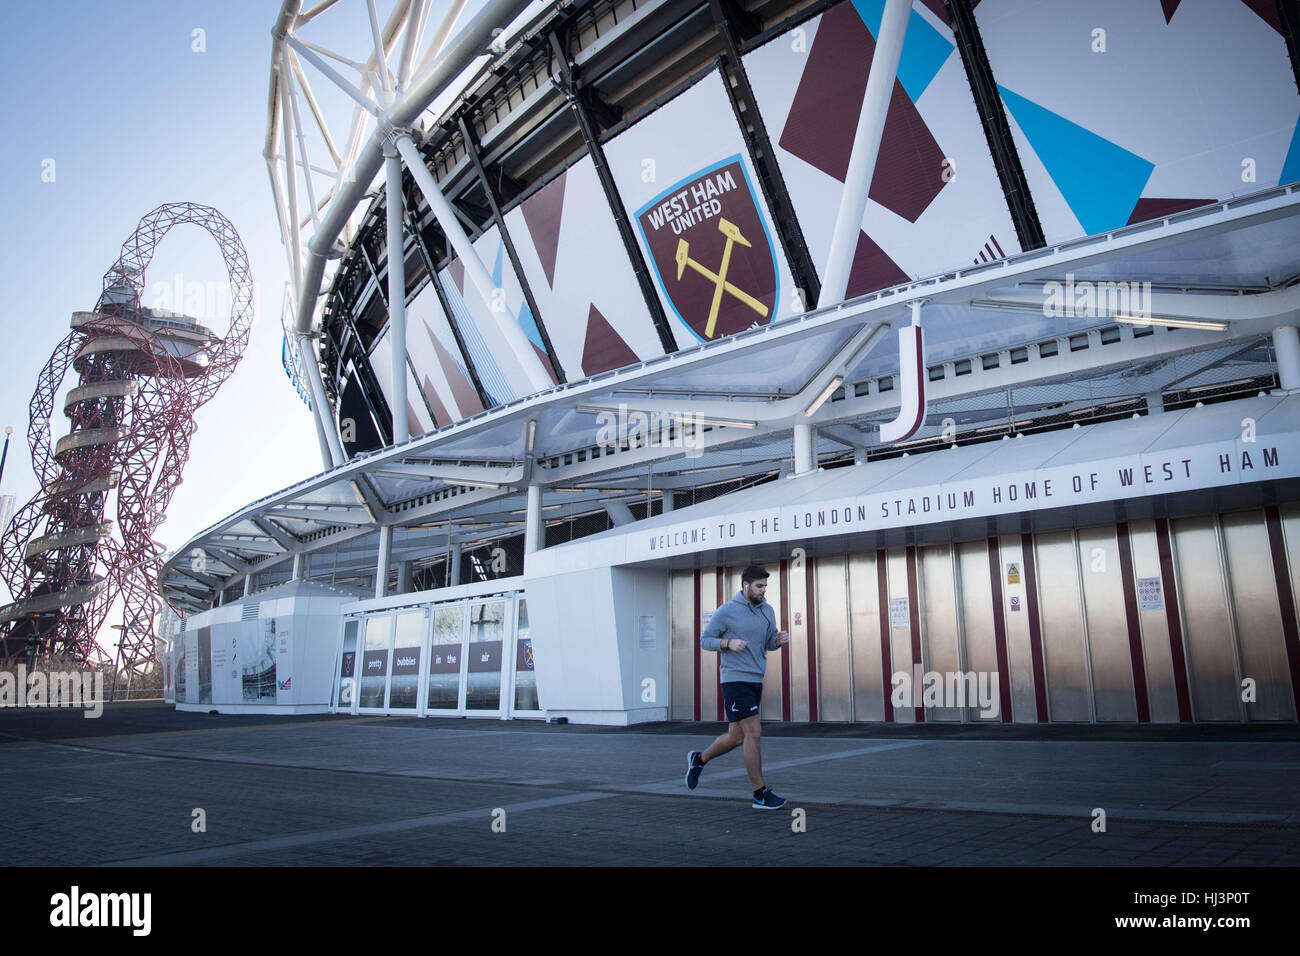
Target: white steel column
x,y
385,553
291,178
510,332
403,577
453,576
866,147
805,445
669,505
619,512
327,461
248,584
1286,345
319,406
534,530
396,289
298,560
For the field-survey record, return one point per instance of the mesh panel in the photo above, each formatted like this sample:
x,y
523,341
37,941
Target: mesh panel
x,y
579,526
503,558
693,496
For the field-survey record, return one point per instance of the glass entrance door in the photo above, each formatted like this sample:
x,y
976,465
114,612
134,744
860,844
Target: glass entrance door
x,y
525,702
345,680
446,661
487,632
374,663
408,642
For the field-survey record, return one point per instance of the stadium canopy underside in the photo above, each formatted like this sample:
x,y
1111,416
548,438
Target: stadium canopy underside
x,y
716,420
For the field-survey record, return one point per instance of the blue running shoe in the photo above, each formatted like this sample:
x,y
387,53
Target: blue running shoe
x,y
767,800
693,768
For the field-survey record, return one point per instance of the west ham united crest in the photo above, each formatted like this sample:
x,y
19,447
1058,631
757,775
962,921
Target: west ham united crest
x,y
712,252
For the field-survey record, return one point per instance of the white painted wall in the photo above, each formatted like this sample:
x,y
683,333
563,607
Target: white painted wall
x,y
310,621
586,630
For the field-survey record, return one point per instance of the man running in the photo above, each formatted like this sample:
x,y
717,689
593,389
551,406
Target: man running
x,y
742,631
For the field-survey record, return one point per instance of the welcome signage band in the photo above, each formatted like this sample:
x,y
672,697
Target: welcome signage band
x,y
1171,470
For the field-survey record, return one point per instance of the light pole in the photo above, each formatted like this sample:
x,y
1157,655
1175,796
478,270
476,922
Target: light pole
x,y
9,430
117,658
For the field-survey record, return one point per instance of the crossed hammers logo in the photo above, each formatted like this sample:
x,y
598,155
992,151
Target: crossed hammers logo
x,y
719,278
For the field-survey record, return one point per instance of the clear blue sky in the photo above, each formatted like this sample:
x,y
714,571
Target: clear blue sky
x,y
132,116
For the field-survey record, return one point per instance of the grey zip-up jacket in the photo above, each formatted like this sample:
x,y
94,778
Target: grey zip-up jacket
x,y
756,625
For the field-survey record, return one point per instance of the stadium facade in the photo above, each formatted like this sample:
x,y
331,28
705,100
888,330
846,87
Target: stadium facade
x,y
975,321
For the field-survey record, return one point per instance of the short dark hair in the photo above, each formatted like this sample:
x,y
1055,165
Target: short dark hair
x,y
753,573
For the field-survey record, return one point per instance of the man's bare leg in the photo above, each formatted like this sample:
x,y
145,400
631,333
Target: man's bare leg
x,y
753,750
728,742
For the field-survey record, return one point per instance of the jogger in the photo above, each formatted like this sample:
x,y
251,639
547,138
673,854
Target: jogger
x,y
742,631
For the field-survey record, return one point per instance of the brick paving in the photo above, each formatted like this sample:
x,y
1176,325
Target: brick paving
x,y
361,791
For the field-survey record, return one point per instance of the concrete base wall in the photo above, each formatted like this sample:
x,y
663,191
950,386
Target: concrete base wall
x,y
611,718
254,708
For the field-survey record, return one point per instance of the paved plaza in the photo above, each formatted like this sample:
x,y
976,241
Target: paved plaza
x,y
325,790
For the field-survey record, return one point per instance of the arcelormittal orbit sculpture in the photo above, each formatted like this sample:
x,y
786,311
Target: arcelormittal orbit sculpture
x,y
87,537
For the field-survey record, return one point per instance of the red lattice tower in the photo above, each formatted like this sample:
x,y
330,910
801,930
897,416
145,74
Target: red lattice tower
x,y
143,375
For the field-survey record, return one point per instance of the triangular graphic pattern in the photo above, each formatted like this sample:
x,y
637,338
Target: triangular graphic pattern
x,y
1154,207
905,181
413,426
1267,11
529,325
457,274
938,8
547,365
823,119
925,49
1100,181
604,348
440,413
525,318
462,390
1291,167
542,214
872,269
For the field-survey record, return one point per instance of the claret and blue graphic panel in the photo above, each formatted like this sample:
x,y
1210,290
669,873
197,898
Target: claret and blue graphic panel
x,y
418,419
571,254
444,381
935,201
1127,110
439,389
476,318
